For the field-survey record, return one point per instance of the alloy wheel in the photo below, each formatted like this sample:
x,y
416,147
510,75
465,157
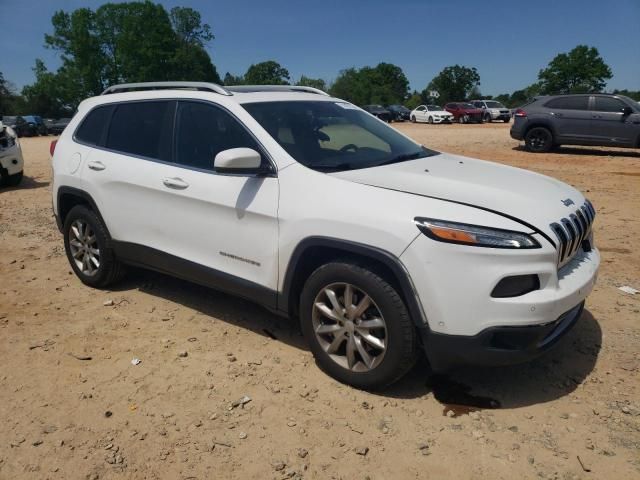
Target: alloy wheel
x,y
84,249
349,327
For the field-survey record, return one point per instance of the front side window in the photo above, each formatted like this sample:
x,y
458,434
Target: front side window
x,y
420,108
333,136
609,104
142,129
579,102
93,126
204,130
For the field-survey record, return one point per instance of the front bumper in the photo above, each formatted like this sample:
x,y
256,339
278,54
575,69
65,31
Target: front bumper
x,y
442,119
453,284
497,346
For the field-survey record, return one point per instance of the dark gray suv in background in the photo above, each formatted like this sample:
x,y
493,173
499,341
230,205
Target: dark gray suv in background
x,y
596,119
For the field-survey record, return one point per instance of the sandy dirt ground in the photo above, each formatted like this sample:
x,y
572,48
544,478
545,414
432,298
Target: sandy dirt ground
x,y
574,413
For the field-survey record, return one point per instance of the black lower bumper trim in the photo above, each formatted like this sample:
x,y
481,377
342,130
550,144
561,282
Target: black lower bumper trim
x,y
497,346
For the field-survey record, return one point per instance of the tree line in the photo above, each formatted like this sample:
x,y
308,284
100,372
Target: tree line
x,y
142,41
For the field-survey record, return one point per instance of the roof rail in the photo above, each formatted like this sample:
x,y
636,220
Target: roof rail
x,y
275,88
202,86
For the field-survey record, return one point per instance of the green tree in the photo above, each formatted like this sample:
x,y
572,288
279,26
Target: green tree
x,y
582,70
191,61
414,100
383,84
46,96
267,73
10,102
123,42
312,82
230,80
453,84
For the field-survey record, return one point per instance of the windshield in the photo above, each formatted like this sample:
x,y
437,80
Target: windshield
x,y
493,104
434,108
467,105
333,136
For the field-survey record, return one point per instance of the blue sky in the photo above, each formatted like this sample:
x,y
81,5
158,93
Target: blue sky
x,y
508,41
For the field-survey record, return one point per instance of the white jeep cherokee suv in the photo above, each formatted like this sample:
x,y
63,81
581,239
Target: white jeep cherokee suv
x,y
315,209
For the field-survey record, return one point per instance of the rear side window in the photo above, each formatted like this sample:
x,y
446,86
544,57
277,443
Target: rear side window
x,y
569,103
609,104
142,128
93,126
204,130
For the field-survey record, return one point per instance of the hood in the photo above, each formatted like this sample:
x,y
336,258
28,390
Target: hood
x,y
529,197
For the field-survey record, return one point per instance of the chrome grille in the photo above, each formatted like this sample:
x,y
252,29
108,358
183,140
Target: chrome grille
x,y
572,230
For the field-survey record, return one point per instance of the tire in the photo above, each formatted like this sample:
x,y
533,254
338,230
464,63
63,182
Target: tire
x,y
398,336
506,120
413,119
487,119
15,179
430,120
461,119
108,269
539,140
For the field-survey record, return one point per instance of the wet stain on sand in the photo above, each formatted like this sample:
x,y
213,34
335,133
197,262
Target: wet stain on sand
x,y
457,398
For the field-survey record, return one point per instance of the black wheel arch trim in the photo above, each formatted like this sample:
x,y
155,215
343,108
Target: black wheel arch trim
x,y
384,257
76,192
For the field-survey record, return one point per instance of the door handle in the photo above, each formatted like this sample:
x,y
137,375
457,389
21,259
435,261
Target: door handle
x,y
97,166
175,182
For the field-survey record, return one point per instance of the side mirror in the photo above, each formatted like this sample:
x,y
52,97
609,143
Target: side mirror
x,y
627,111
239,161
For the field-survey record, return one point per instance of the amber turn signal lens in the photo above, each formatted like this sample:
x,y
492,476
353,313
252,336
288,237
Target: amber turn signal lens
x,y
453,235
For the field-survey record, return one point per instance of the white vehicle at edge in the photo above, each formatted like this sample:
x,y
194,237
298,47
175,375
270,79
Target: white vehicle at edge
x,y
430,114
11,161
315,209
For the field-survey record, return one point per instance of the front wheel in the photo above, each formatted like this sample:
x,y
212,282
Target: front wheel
x,y
430,120
539,140
462,119
86,245
487,118
357,326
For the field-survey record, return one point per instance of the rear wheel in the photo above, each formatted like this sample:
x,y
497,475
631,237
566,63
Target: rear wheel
x,y
85,242
357,326
413,119
539,140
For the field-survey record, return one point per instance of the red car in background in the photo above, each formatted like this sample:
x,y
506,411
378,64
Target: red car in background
x,y
464,112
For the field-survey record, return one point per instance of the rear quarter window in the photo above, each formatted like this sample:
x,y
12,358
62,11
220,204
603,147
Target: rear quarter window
x,y
93,127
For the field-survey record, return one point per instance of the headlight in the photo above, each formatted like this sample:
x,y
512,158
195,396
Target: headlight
x,y
474,235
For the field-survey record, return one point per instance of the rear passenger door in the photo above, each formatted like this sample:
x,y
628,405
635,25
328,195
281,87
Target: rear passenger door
x,y
610,126
572,118
134,141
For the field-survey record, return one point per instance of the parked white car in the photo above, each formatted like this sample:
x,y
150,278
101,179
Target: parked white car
x,y
11,161
493,110
430,114
310,206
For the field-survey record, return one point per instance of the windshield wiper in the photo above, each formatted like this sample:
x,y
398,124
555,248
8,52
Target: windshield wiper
x,y
404,157
325,168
